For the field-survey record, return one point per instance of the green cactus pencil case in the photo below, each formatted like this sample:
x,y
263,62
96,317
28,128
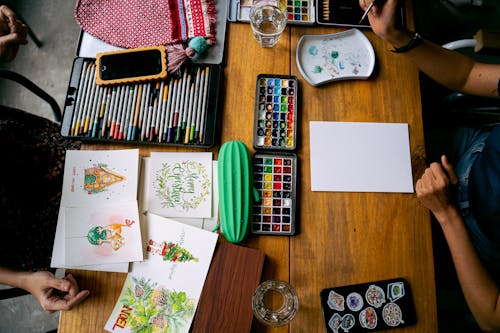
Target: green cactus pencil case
x,y
235,190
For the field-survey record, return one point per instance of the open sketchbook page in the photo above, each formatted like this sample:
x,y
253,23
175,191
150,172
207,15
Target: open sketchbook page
x,y
164,290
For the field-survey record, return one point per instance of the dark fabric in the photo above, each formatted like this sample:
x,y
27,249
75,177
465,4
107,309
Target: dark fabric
x,y
32,153
484,186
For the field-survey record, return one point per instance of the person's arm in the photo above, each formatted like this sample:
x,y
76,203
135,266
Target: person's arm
x,y
481,292
12,34
52,293
449,68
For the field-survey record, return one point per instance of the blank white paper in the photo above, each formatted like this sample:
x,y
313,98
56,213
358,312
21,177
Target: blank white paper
x,y
360,157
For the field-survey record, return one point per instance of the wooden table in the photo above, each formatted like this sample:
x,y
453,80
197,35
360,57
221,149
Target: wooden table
x,y
345,238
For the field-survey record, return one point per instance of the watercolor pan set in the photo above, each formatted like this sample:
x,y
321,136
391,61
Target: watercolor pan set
x,y
275,125
180,110
275,178
300,12
366,307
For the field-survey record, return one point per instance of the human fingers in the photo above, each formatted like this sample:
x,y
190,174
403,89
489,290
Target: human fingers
x,y
439,173
71,302
73,289
8,15
449,170
50,281
53,301
12,39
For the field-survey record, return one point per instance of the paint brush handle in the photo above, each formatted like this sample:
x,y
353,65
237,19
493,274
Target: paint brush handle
x,y
366,11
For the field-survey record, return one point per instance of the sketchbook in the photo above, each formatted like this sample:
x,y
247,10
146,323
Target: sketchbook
x,y
106,193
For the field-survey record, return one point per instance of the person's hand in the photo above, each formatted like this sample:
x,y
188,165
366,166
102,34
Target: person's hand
x,y
55,294
434,188
382,19
12,34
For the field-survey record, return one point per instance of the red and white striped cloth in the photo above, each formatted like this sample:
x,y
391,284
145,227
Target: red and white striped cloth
x,y
140,23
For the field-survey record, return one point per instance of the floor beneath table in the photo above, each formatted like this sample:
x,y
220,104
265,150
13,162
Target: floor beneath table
x,y
50,66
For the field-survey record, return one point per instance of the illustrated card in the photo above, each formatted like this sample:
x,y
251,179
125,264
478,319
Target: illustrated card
x,y
180,184
101,235
161,294
59,257
100,177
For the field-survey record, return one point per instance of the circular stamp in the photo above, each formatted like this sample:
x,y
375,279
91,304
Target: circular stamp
x,y
354,301
375,296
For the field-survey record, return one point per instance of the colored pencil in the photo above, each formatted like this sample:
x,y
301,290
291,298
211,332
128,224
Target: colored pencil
x,y
145,111
170,111
86,92
138,101
189,110
81,85
162,117
204,106
196,132
181,106
89,102
167,112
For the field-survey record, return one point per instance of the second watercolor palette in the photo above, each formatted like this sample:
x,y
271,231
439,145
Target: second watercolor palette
x,y
275,178
275,125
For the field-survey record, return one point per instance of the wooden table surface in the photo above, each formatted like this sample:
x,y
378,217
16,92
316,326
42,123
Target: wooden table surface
x,y
344,238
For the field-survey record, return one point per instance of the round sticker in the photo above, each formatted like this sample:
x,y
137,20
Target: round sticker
x,y
368,318
354,301
375,296
392,314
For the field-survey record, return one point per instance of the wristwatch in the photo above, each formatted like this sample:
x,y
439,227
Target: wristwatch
x,y
414,42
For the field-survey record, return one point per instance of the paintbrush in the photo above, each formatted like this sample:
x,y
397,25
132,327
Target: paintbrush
x,y
366,12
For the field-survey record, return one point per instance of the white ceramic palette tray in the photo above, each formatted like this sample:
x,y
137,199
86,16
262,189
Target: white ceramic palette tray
x,y
341,56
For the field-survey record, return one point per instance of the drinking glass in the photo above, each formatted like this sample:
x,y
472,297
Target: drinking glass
x,y
268,20
275,303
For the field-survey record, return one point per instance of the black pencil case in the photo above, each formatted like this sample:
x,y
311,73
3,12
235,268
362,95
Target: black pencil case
x,y
156,112
348,13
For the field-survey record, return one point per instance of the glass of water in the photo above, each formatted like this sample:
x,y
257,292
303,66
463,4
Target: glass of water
x,y
268,19
275,303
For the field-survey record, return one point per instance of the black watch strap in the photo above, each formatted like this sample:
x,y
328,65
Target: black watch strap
x,y
414,42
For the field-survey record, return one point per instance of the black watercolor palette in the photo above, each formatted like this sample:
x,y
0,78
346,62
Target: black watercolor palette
x,y
180,110
275,125
368,306
275,178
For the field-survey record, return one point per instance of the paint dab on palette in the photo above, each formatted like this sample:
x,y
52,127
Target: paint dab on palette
x,y
275,179
276,112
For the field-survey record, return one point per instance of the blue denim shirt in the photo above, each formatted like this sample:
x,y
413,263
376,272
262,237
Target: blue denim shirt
x,y
488,251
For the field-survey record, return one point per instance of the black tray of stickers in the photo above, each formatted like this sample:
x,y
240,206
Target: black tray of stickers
x,y
97,113
368,306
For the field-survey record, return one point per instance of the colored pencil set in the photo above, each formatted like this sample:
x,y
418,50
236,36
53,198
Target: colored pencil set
x,y
169,111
